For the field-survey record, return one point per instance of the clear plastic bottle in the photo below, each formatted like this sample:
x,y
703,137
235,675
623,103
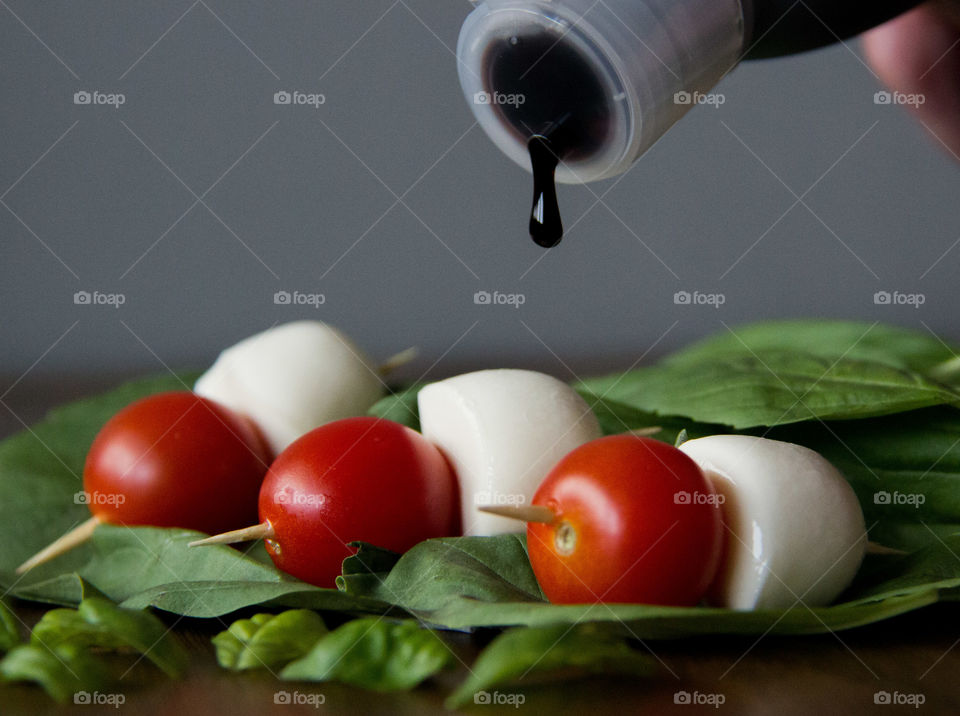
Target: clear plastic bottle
x,y
604,79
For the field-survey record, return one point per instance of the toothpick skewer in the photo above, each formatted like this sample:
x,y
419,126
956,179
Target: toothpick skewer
x,y
80,533
262,531
526,513
398,360
874,548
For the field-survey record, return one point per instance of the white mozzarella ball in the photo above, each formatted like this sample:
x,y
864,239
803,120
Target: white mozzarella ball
x,y
503,431
293,378
795,528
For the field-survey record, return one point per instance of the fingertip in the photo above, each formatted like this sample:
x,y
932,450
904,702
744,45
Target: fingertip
x,y
918,54
903,50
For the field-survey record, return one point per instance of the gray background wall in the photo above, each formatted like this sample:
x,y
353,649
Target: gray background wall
x,y
303,199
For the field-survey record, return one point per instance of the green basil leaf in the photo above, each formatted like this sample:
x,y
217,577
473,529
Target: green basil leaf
x,y
770,388
63,636
138,629
67,628
936,566
268,641
905,470
373,653
9,631
61,672
616,417
149,566
367,568
400,407
230,644
533,652
488,569
873,342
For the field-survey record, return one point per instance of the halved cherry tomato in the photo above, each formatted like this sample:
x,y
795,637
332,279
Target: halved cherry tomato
x,y
176,460
635,521
359,479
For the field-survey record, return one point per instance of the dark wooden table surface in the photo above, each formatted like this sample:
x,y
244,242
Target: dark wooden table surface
x,y
915,655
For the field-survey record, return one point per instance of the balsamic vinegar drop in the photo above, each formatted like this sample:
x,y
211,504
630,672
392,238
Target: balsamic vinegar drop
x,y
546,227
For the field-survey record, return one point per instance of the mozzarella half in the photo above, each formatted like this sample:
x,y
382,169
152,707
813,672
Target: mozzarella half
x,y
795,531
293,378
503,431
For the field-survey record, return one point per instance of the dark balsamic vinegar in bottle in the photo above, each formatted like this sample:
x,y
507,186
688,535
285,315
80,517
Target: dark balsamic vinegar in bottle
x,y
548,95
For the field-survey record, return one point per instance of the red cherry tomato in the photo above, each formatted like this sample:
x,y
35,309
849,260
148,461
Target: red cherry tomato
x,y
363,479
636,521
176,460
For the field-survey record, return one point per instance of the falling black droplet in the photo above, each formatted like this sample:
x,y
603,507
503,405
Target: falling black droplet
x,y
546,227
